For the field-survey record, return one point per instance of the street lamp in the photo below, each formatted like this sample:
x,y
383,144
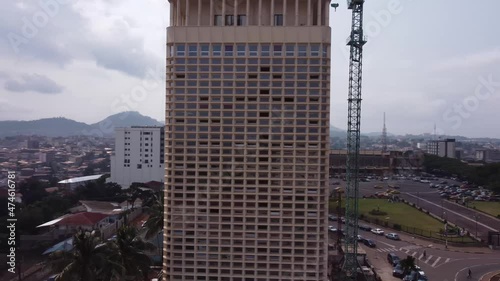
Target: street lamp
x,y
445,230
442,209
446,234
475,217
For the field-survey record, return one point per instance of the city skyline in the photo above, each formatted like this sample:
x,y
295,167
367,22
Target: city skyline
x,y
419,72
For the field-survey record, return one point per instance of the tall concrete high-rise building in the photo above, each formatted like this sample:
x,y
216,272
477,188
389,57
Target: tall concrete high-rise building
x,y
247,140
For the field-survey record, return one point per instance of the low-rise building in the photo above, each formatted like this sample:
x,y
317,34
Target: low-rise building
x,y
488,155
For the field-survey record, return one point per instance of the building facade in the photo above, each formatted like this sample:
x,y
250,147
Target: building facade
x,y
246,141
442,148
138,155
488,155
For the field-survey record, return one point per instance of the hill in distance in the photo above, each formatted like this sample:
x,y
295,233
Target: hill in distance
x,y
341,133
63,127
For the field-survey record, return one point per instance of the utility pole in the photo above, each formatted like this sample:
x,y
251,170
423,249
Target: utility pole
x,y
446,233
475,216
339,192
442,209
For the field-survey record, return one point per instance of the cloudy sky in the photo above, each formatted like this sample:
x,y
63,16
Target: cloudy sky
x,y
427,62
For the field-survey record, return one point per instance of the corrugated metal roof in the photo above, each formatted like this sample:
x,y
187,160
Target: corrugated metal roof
x,y
53,222
81,179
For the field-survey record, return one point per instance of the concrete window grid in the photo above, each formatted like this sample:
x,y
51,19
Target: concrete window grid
x,y
246,145
237,206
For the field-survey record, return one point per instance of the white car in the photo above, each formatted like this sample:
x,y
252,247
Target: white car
x,y
378,231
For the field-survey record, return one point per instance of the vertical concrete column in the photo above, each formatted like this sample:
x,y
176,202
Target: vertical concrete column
x,y
248,12
172,15
319,21
309,13
272,13
199,12
178,11
223,12
296,12
260,13
212,19
235,5
327,14
284,12
187,12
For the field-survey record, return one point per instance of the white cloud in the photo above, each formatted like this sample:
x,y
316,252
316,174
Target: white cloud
x,y
33,83
469,61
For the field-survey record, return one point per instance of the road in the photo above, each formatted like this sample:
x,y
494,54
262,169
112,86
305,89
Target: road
x,y
429,199
455,213
438,263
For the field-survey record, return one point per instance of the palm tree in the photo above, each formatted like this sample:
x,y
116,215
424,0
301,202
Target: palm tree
x,y
84,263
129,249
408,264
154,224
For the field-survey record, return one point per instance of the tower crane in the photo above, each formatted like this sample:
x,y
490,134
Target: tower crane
x,y
356,41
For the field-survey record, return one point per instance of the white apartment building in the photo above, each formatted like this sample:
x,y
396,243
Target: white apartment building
x,y
138,155
247,140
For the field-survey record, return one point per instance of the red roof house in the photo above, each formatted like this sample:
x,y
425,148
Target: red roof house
x,y
82,219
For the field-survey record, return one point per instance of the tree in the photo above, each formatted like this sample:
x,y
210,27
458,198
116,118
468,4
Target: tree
x,y
154,224
88,171
101,191
29,218
129,249
408,264
86,262
32,191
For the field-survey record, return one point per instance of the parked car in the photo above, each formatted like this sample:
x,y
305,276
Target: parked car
x,y
392,236
398,271
370,243
415,275
393,259
378,231
412,276
421,276
360,239
332,218
365,227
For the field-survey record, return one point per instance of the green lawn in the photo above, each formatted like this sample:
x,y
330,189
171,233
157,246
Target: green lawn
x,y
399,213
492,208
410,219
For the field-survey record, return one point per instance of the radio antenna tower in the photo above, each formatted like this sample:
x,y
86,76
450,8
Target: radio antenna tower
x,y
384,137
